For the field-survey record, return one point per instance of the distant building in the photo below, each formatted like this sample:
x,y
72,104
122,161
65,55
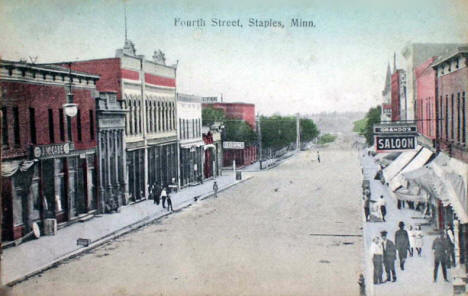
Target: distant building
x,y
398,95
48,166
386,114
191,143
244,111
241,111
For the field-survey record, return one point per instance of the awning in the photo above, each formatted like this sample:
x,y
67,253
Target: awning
x,y
417,162
9,168
399,163
412,193
453,187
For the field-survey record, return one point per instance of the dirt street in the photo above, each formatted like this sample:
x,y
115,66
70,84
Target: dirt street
x,y
258,238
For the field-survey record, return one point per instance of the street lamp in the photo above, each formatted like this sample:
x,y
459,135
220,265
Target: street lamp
x,y
70,109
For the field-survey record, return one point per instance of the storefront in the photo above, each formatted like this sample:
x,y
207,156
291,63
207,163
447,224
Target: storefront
x,y
113,189
58,182
191,163
136,173
162,165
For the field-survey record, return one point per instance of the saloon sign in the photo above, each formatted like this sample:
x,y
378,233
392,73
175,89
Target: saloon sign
x,y
395,137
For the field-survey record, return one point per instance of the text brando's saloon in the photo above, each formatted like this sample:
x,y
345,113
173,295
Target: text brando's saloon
x,y
49,158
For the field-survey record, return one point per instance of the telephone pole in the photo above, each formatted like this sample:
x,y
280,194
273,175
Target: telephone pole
x,y
259,131
298,133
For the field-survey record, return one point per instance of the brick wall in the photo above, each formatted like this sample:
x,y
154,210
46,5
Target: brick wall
x,y
42,98
425,101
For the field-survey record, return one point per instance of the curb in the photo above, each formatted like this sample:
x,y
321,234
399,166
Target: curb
x,y
115,234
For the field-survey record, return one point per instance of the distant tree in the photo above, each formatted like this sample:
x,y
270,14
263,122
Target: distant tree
x,y
359,125
212,115
280,131
309,130
327,138
239,131
372,117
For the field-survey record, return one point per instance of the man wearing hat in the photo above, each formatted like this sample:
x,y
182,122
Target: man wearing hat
x,y
440,246
389,255
402,244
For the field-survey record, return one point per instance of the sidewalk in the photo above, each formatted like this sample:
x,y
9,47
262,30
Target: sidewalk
x,y
417,278
34,256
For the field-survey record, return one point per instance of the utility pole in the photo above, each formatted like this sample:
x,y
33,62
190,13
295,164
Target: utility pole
x,y
298,133
259,131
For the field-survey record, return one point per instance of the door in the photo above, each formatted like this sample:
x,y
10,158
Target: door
x,y
7,228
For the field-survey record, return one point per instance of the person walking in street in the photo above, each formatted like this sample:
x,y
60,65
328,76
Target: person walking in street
x,y
163,197
402,244
169,203
376,251
412,239
318,156
451,246
418,240
381,207
389,256
440,247
215,189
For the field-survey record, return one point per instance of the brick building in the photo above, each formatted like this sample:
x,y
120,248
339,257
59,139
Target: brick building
x,y
451,72
245,112
147,89
48,166
452,84
425,102
242,111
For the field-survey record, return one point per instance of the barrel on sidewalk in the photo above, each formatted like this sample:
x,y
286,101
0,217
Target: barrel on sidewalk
x,y
238,175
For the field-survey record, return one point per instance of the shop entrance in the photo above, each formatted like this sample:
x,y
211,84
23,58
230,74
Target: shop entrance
x,y
7,221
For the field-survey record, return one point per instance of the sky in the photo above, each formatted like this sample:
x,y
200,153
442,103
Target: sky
x,y
338,65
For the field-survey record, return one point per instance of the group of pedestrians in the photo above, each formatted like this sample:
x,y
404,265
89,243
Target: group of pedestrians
x,y
379,207
161,196
384,251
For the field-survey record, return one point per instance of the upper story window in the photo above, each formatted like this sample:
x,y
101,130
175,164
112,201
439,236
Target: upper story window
x,y
16,126
5,127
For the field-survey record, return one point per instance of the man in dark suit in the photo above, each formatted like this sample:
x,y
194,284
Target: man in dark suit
x,y
402,244
389,254
440,246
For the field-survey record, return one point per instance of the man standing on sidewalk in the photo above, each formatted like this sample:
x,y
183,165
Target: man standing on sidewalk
x,y
163,197
169,203
402,244
451,243
381,207
389,254
440,248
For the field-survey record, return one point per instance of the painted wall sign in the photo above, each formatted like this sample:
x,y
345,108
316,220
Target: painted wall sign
x,y
51,150
395,129
233,145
